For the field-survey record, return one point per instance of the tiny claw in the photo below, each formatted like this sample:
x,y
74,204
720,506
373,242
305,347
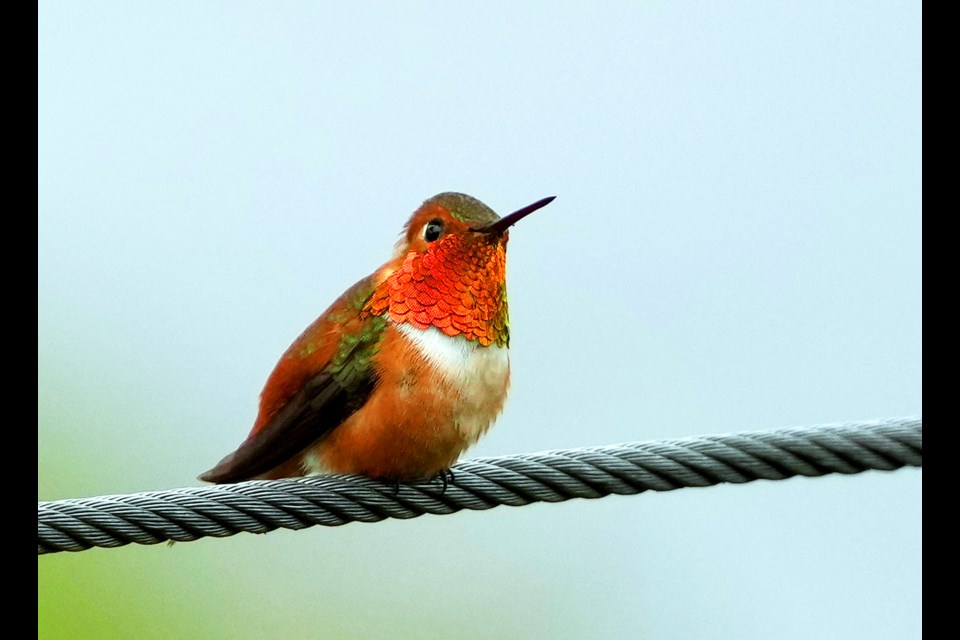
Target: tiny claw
x,y
446,477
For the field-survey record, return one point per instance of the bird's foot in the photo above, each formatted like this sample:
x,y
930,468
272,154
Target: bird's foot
x,y
446,477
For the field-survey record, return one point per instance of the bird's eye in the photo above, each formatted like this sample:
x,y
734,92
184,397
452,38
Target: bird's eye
x,y
433,230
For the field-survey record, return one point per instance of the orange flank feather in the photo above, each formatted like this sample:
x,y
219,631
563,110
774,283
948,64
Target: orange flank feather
x,y
408,426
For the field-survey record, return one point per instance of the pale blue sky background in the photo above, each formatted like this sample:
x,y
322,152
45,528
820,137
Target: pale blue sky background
x,y
735,244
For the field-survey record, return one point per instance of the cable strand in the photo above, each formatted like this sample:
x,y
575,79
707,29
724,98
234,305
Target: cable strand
x,y
261,506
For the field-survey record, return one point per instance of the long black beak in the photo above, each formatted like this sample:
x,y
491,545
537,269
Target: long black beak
x,y
504,223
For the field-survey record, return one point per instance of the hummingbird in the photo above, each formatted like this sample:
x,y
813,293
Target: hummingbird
x,y
405,370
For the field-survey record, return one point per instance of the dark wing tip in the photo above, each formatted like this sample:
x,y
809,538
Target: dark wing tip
x,y
209,476
318,407
222,473
321,404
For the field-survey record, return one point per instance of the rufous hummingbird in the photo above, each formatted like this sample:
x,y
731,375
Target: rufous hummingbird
x,y
405,370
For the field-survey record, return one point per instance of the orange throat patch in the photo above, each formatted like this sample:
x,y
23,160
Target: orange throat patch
x,y
457,286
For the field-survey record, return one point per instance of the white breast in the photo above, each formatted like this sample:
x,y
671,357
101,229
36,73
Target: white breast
x,y
481,374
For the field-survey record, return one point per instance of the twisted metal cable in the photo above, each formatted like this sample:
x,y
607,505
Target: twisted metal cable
x,y
479,483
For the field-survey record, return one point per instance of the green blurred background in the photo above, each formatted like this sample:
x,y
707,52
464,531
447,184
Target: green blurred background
x,y
736,244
